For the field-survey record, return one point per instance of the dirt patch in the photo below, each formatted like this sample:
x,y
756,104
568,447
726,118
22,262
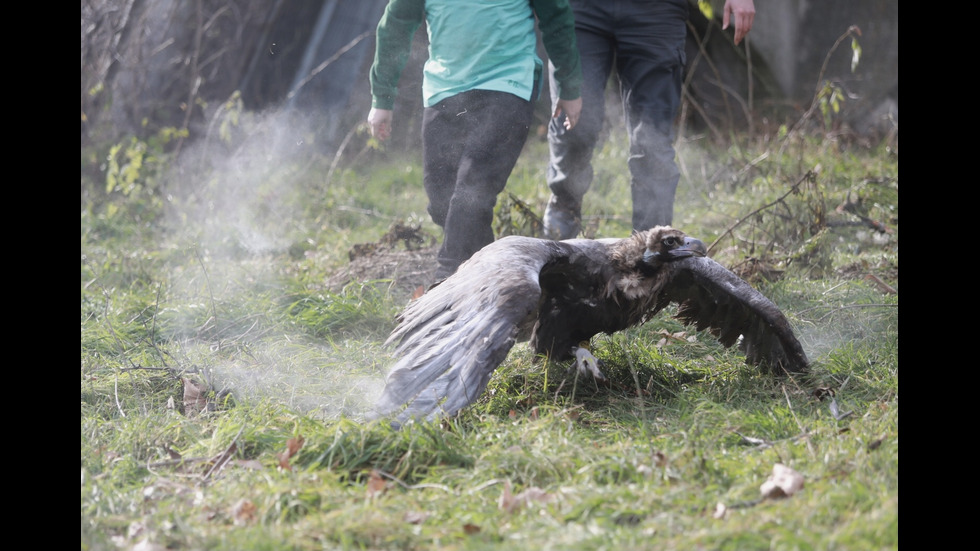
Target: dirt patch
x,y
405,255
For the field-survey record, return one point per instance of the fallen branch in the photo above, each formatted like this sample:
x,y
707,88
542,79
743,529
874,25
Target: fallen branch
x,y
222,458
808,177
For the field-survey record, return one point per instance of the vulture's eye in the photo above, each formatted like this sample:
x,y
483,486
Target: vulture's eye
x,y
670,241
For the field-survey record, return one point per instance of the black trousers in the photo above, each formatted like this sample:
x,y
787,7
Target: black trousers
x,y
470,144
644,41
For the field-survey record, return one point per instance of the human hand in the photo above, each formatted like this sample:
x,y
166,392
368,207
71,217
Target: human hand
x,y
380,122
743,12
572,108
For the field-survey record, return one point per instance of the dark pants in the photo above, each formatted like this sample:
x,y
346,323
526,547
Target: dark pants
x,y
644,40
470,144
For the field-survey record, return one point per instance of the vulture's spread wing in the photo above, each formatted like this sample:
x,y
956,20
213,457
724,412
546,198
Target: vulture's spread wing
x,y
559,293
712,298
450,340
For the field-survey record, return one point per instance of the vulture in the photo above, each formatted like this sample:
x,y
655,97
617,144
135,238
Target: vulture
x,y
558,295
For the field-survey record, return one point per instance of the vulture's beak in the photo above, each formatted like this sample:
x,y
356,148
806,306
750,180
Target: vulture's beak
x,y
691,247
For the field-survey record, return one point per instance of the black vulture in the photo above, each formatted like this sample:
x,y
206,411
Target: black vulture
x,y
558,295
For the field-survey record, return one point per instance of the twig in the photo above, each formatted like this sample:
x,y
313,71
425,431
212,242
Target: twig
x,y
144,368
416,486
789,403
108,322
486,485
115,386
823,69
153,327
222,459
207,278
728,231
849,306
330,60
339,153
176,462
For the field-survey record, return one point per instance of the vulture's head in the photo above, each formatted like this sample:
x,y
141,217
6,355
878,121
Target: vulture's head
x,y
665,244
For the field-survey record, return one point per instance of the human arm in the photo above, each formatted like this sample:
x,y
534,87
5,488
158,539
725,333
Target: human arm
x,y
393,45
742,14
379,120
572,108
557,25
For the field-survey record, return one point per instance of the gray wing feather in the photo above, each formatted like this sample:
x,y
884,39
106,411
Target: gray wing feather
x,y
450,340
711,297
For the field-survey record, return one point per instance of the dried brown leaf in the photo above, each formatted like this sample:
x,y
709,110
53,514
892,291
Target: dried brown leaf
x,y
376,484
293,445
510,502
470,529
195,397
243,512
881,285
217,462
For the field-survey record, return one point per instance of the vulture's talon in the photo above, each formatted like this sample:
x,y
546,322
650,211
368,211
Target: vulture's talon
x,y
587,363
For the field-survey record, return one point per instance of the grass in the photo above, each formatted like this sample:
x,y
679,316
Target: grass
x,y
210,289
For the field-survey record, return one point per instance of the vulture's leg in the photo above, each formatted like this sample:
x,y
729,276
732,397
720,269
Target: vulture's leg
x,y
587,363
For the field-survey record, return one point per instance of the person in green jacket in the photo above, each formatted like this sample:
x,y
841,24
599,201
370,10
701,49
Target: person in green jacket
x,y
478,88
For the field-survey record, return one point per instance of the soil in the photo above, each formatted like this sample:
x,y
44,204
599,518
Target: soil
x,y
405,255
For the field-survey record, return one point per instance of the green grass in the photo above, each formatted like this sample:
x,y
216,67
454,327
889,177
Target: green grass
x,y
221,279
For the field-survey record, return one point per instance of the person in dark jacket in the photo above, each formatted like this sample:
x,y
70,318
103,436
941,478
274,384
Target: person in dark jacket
x,y
644,41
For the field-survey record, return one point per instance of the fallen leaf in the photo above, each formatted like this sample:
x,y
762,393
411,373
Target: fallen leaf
x,y
836,412
135,529
416,517
470,529
753,440
659,459
253,464
376,484
243,512
293,445
195,397
882,286
216,463
510,502
822,392
783,482
720,510
145,545
174,454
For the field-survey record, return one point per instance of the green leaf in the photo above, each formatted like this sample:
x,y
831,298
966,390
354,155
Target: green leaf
x,y
706,9
855,54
